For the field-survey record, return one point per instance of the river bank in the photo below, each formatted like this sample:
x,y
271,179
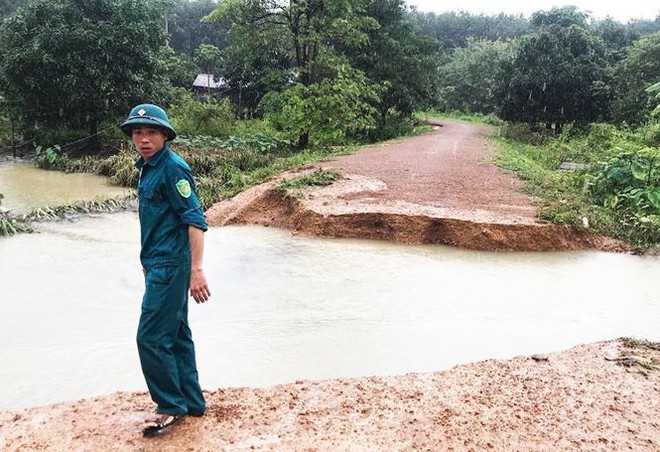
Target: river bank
x,y
600,396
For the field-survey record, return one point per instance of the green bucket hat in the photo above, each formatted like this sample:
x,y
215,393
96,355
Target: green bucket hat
x,y
151,115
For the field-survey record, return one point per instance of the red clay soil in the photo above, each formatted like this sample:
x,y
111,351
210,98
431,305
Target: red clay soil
x,y
439,188
601,397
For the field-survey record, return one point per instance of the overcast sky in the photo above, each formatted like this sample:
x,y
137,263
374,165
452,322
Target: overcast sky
x,y
621,10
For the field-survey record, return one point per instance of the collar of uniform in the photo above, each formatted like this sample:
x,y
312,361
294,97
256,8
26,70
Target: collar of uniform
x,y
155,160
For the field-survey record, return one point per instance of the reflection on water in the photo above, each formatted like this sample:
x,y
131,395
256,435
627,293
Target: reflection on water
x,y
27,187
288,308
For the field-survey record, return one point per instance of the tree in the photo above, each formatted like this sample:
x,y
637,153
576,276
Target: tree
x,y
397,58
557,76
639,69
9,6
453,29
564,17
616,36
329,111
309,30
469,80
208,57
186,29
75,63
179,69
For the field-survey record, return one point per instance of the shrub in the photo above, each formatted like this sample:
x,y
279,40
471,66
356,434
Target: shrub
x,y
193,117
525,133
650,134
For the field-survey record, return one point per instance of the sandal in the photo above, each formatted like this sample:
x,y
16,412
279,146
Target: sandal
x,y
163,425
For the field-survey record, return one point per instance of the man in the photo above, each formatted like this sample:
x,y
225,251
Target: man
x,y
172,228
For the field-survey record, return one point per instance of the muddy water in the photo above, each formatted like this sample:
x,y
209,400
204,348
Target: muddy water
x,y
26,187
288,308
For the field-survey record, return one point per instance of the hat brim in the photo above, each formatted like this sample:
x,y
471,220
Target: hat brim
x,y
127,127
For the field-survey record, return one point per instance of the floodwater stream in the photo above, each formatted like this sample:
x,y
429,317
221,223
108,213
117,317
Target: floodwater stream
x,y
287,308
26,187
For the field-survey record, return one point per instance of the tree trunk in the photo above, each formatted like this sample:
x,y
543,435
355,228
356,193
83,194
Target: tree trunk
x,y
303,140
94,142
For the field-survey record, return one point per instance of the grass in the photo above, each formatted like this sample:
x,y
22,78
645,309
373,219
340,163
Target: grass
x,y
319,178
568,197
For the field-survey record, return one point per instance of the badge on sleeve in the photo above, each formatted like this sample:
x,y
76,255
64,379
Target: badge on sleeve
x,y
183,187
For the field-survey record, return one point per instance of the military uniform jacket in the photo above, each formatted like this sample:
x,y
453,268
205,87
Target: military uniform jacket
x,y
168,204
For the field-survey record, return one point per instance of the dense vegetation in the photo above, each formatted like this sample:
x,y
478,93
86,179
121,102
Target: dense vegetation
x,y
304,76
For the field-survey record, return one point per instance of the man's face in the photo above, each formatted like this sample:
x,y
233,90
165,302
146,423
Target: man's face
x,y
148,140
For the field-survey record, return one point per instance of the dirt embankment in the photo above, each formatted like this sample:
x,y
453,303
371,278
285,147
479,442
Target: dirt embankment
x,y
439,188
601,396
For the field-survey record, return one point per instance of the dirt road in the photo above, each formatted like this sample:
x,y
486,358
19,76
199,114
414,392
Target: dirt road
x,y
593,397
440,188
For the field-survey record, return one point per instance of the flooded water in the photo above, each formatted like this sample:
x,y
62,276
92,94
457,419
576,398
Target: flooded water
x,y
288,308
27,187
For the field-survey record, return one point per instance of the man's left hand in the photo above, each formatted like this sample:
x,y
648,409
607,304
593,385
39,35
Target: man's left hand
x,y
199,289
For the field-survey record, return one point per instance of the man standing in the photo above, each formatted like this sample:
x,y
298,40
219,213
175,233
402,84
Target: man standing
x,y
172,227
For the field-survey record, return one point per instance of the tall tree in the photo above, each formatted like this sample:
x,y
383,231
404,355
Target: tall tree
x,y
564,17
557,76
453,29
398,59
75,63
633,74
469,80
186,29
308,30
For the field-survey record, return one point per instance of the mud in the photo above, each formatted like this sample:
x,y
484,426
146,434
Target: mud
x,y
601,396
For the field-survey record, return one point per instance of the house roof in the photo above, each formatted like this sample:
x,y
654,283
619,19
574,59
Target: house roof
x,y
209,81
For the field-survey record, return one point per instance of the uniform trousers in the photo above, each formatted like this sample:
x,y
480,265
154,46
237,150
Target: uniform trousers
x,y
165,345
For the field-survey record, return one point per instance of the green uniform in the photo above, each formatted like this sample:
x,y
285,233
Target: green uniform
x,y
168,205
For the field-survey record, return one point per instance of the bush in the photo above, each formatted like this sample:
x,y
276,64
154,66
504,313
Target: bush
x,y
391,127
525,133
192,117
650,134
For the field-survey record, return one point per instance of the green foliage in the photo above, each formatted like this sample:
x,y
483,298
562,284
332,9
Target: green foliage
x,y
565,16
525,133
629,185
259,142
121,168
7,225
48,157
633,75
392,126
655,90
187,30
319,178
397,58
193,117
469,80
557,77
10,225
650,134
98,205
179,69
619,192
208,57
454,29
331,111
54,74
